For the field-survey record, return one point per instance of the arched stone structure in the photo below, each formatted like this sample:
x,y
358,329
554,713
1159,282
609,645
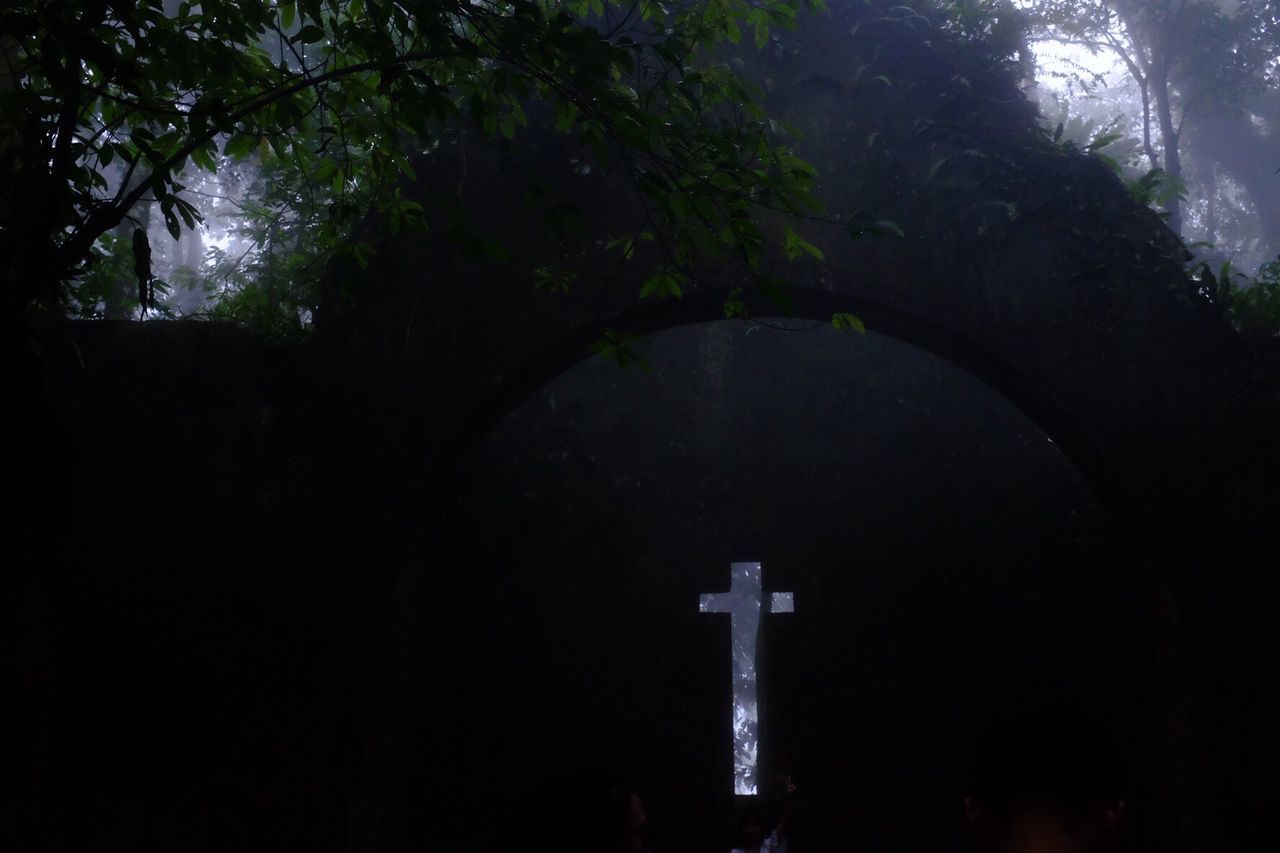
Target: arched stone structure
x,y
608,499
1026,263
1122,365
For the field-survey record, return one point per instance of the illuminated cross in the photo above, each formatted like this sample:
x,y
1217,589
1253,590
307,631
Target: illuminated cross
x,y
743,602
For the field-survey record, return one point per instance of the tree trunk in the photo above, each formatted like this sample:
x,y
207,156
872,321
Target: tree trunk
x,y
1211,199
1169,136
1151,34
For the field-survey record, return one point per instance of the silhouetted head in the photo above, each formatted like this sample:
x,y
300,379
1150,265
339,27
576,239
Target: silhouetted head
x,y
1051,784
751,830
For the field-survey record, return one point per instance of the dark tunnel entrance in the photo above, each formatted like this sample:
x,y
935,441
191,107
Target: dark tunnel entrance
x,y
951,568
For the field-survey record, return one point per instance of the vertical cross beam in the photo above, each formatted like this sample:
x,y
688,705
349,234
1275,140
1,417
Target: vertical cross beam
x,y
744,602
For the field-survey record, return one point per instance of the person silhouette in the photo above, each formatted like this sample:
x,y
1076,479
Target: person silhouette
x,y
1049,784
753,839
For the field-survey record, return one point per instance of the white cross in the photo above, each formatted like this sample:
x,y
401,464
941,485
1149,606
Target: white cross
x,y
743,602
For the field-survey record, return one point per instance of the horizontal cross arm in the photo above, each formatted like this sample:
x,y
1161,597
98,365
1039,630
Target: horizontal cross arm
x,y
715,602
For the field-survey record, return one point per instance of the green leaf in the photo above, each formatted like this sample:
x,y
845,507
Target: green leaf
x,y
620,347
731,31
188,213
239,145
553,279
203,157
171,222
759,23
1103,141
844,320
628,245
733,304
566,114
662,284
795,245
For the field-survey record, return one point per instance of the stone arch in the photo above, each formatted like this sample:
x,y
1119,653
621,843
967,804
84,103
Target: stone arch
x,y
707,412
1041,275
818,306
1026,262
1117,401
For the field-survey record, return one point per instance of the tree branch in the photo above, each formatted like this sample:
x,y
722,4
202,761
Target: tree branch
x,y
99,223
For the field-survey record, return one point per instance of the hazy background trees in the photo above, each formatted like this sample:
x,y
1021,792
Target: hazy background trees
x,y
1189,87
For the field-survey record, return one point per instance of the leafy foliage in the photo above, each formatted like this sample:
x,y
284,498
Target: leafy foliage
x,y
107,105
1253,305
621,348
845,320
